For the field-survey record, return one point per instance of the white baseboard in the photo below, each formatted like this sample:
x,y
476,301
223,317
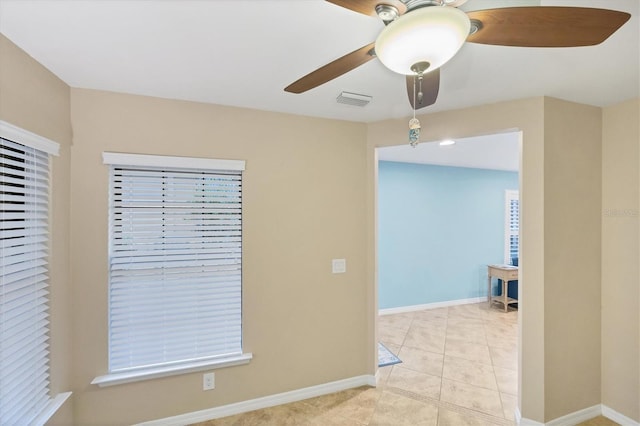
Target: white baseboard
x,y
576,417
264,402
412,308
524,421
529,422
580,416
611,414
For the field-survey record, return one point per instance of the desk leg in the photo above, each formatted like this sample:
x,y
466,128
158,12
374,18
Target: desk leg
x,y
489,291
505,289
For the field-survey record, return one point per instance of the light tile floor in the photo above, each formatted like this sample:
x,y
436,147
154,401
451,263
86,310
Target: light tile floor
x,y
459,368
462,360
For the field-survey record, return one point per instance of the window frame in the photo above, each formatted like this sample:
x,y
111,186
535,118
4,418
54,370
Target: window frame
x,y
170,368
510,195
33,141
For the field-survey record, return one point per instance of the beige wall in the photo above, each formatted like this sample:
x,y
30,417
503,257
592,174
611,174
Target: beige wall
x,y
34,99
620,259
572,214
559,335
31,97
303,204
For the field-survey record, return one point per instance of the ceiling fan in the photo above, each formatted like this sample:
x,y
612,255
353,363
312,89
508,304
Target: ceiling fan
x,y
421,35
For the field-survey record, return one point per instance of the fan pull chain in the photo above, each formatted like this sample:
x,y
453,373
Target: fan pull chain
x,y
414,97
414,123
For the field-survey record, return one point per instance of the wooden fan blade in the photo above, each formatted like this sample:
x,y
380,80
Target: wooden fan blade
x,y
546,26
332,70
430,89
368,7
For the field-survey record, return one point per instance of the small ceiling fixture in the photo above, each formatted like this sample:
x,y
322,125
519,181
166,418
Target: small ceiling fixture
x,y
431,35
447,142
354,99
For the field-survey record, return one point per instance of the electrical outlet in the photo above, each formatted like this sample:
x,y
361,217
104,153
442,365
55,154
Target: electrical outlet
x,y
208,381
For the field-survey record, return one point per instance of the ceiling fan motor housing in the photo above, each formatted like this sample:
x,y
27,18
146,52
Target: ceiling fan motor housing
x,y
415,4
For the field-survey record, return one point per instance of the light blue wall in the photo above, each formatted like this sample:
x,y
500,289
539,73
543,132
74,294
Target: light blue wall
x,y
438,228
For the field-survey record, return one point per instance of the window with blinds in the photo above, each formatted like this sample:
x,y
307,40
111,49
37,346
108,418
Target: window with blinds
x,y
24,316
512,225
175,262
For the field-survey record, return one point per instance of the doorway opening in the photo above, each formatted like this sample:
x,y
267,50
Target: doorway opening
x,y
445,212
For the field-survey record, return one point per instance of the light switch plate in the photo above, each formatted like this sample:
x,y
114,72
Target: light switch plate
x,y
339,266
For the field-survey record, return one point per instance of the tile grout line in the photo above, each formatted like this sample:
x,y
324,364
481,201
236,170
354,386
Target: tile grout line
x,y
493,368
454,407
444,354
449,406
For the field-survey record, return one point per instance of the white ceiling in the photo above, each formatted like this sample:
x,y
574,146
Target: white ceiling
x,y
244,52
497,152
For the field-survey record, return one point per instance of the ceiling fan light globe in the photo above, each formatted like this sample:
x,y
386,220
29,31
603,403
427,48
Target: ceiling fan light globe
x,y
431,34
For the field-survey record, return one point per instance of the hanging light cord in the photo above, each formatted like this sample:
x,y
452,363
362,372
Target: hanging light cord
x,y
414,123
414,97
419,91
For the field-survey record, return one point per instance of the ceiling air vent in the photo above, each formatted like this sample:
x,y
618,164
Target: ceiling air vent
x,y
353,99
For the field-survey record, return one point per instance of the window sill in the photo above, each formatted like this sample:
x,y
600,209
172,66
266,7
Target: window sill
x,y
51,408
172,370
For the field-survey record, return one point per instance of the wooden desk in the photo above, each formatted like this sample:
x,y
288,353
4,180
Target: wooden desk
x,y
506,273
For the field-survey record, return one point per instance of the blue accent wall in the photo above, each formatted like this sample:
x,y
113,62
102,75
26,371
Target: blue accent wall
x,y
438,228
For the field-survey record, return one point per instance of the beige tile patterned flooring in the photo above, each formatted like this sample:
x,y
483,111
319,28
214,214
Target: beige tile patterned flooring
x,y
459,368
461,360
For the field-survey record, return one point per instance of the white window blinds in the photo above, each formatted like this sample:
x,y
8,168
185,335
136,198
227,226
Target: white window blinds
x,y
512,226
175,260
24,325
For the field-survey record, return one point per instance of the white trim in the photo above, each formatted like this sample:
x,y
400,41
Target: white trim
x,y
412,308
264,402
123,159
612,414
580,416
577,416
51,408
169,370
528,422
16,134
517,416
